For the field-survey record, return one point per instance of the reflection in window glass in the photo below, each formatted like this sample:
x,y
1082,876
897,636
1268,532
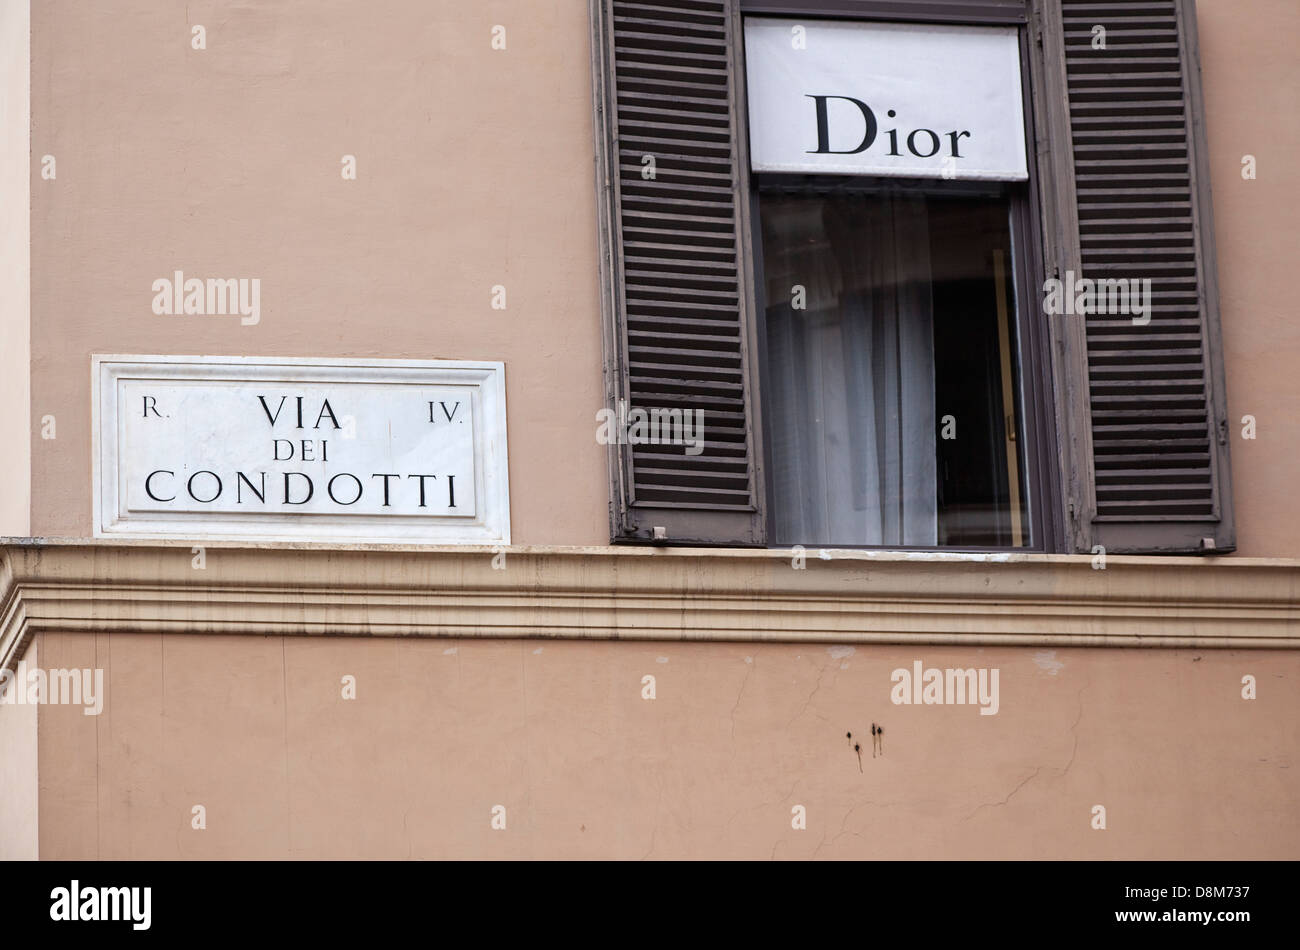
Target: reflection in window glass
x,y
893,407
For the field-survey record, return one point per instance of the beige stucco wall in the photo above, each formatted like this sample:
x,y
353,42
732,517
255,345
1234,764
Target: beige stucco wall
x,y
475,169
1252,105
256,730
15,291
19,792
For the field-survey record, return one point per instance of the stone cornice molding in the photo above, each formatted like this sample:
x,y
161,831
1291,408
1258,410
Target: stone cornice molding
x,y
642,593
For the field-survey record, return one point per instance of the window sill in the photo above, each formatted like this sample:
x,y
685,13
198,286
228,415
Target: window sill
x,y
638,593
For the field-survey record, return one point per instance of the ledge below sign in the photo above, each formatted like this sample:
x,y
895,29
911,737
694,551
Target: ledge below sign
x,y
382,451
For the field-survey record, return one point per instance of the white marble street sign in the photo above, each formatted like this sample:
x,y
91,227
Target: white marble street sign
x,y
405,451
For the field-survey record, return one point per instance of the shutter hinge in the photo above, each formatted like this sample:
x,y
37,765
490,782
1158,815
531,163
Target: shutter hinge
x,y
1223,431
1038,37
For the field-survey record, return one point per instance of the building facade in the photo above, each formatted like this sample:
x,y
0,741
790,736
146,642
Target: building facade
x,y
875,439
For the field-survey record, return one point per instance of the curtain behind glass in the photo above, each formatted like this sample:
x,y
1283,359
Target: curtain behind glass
x,y
852,402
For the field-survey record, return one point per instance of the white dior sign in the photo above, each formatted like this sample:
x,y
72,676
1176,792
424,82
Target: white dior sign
x,y
891,99
289,449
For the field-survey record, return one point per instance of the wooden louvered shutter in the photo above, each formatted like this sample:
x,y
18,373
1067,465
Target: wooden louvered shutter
x,y
1160,479
675,266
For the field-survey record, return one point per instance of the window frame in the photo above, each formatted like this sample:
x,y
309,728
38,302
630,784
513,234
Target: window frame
x,y
1038,407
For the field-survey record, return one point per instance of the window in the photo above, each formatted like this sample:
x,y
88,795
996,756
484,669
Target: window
x,y
889,160
851,286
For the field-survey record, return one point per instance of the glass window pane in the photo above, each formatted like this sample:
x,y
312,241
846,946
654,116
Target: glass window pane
x,y
891,358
